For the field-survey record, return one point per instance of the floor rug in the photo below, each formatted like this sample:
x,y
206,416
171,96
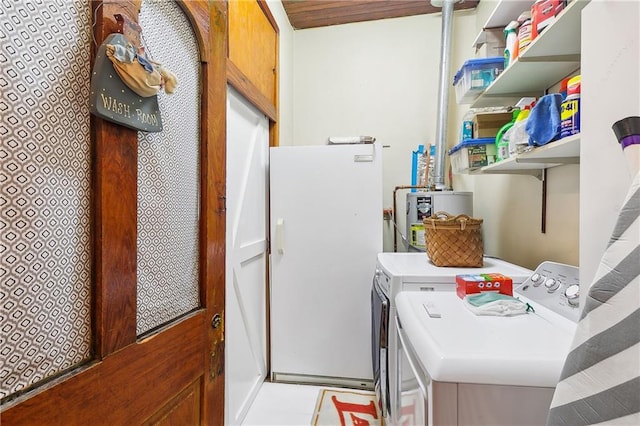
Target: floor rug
x,y
346,408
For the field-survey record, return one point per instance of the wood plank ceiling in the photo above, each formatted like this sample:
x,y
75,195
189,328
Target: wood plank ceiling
x,y
320,13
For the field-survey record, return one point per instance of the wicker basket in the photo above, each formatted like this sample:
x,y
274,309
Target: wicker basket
x,y
454,240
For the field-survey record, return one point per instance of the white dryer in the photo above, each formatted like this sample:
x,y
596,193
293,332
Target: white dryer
x,y
460,368
398,272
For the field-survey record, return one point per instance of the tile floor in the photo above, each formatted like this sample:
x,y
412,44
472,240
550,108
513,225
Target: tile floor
x,y
281,404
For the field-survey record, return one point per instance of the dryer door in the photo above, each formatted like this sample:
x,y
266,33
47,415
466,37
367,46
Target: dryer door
x,y
379,344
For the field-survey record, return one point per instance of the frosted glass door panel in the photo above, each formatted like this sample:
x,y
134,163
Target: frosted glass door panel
x,y
169,176
45,293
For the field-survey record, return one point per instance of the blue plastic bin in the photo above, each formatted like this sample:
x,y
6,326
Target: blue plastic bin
x,y
475,76
471,154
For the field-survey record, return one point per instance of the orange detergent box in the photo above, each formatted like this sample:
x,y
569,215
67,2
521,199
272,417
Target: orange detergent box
x,y
476,283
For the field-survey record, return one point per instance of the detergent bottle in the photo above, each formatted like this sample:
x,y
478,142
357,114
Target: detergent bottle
x,y
502,144
520,112
518,137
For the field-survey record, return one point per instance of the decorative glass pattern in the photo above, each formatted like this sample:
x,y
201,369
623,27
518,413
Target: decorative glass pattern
x,y
169,175
45,275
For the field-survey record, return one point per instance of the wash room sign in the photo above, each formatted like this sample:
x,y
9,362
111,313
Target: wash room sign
x,y
113,100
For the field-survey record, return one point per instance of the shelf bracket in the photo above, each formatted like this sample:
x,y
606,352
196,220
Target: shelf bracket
x,y
540,174
543,220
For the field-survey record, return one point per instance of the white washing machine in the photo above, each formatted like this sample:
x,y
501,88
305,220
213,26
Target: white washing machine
x,y
466,369
398,272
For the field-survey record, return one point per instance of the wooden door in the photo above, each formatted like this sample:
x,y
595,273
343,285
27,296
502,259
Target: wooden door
x,y
173,373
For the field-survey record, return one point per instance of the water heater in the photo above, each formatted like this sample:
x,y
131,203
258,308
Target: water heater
x,y
424,204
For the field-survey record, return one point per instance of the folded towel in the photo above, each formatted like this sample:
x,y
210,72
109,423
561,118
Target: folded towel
x,y
543,125
496,304
339,140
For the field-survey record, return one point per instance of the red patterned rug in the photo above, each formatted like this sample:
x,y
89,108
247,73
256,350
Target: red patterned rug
x,y
346,408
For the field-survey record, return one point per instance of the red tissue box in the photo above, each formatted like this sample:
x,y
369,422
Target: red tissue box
x,y
476,283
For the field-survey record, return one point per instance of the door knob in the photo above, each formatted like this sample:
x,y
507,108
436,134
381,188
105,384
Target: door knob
x,y
216,320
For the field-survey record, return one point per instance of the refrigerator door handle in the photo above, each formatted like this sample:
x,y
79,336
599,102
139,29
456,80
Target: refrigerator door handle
x,y
365,158
280,235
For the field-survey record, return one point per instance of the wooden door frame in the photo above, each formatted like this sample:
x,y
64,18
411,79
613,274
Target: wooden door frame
x,y
237,79
102,391
243,84
214,120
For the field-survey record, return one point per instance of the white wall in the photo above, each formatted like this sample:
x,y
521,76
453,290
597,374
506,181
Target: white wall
x,y
375,78
610,92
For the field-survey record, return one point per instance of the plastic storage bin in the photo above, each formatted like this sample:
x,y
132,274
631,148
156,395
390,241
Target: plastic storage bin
x,y
471,154
475,76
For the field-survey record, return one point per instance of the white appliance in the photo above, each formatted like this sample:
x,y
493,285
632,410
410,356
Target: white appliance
x,y
412,272
424,204
326,230
485,370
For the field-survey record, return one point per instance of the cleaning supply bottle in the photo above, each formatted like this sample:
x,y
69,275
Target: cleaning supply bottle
x,y
518,137
510,44
504,134
570,109
502,144
524,35
466,131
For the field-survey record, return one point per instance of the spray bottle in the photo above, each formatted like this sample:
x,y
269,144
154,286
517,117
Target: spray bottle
x,y
511,38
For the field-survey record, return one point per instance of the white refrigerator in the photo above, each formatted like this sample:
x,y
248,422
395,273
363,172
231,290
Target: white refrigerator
x,y
326,230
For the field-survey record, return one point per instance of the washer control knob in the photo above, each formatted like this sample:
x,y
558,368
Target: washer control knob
x,y
551,285
573,294
536,279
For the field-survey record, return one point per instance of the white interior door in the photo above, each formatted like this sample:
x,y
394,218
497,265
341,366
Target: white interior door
x,y
246,256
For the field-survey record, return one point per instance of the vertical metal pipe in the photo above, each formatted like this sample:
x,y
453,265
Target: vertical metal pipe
x,y
443,91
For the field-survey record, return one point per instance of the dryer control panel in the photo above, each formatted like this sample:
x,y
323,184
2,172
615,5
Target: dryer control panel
x,y
556,286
